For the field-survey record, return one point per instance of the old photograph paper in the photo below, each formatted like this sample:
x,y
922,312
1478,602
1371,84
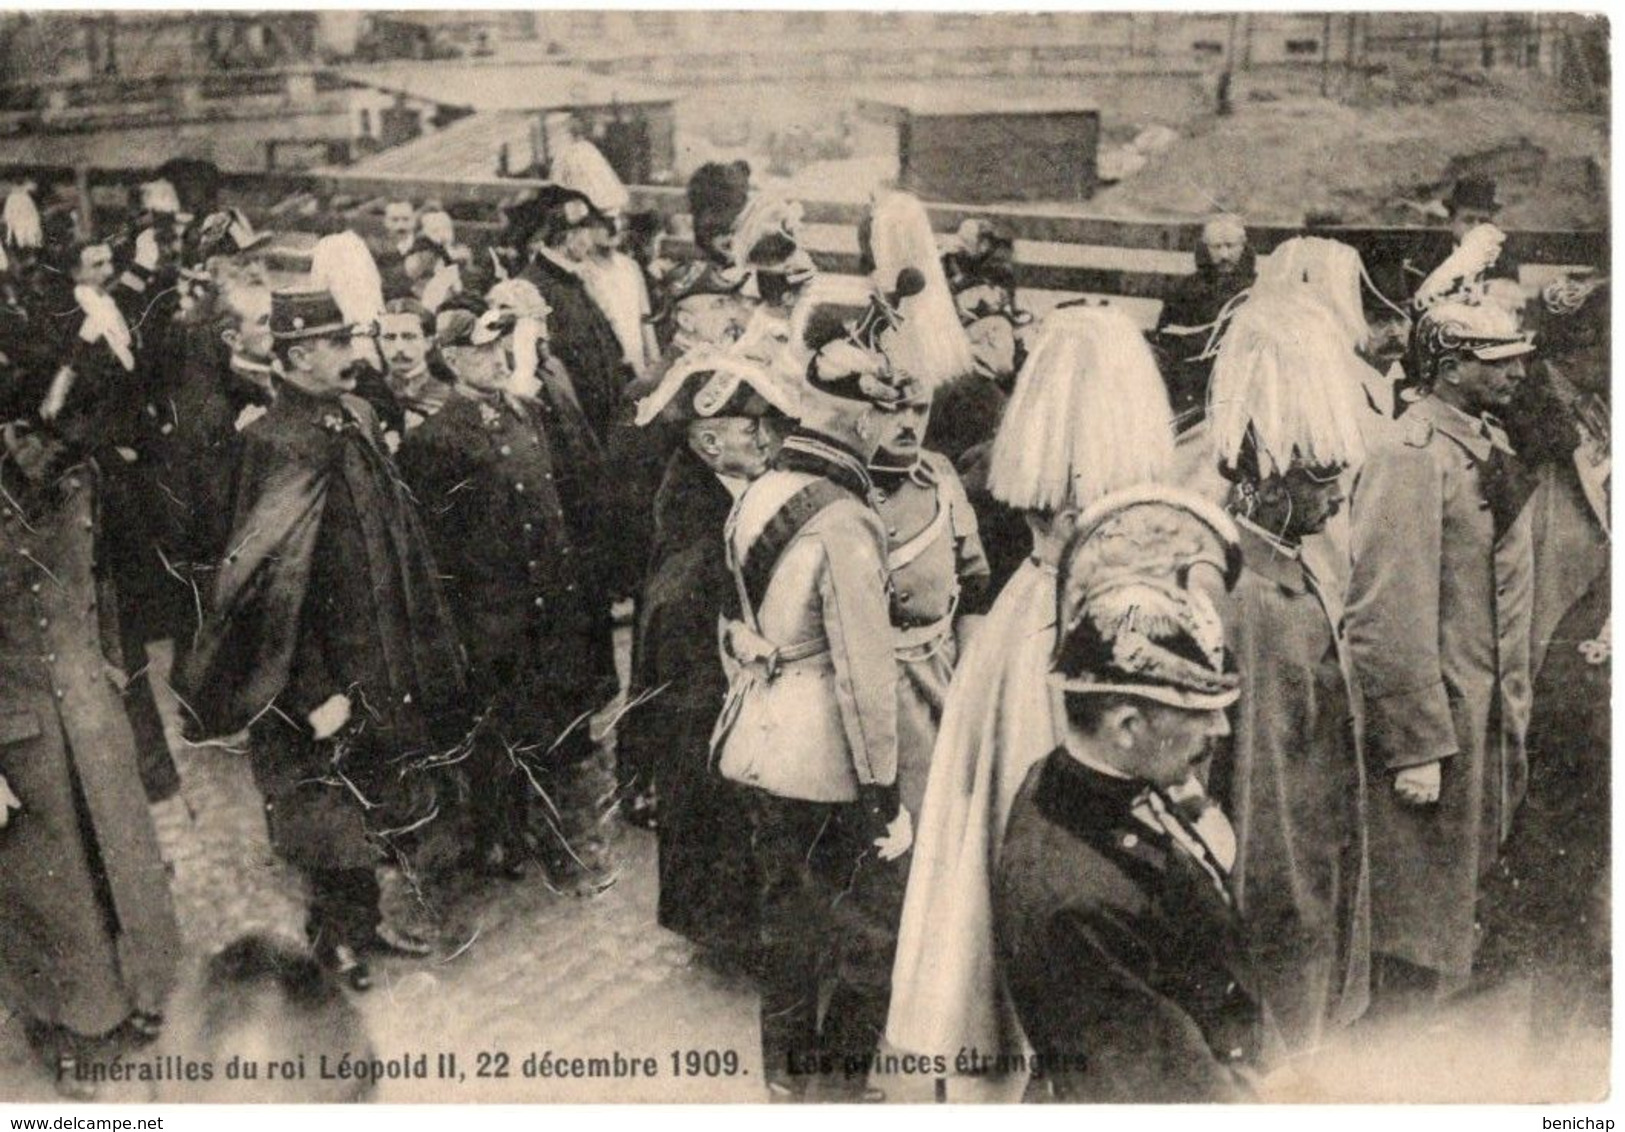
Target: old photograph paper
x,y
857,557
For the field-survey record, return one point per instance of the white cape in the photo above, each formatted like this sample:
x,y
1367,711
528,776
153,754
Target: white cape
x,y
996,724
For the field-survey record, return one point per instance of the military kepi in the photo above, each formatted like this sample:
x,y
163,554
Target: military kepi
x,y
306,314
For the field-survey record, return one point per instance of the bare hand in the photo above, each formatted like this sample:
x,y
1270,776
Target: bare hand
x,y
1418,785
899,836
8,802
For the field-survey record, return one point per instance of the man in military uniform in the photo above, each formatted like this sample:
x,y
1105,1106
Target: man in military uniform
x,y
114,324
730,412
1118,936
487,480
810,724
1285,426
413,370
939,578
329,637
1439,628
88,939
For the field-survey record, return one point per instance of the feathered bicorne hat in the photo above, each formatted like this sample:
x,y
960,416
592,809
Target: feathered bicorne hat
x,y
838,335
767,234
710,382
1131,614
584,169
1089,415
1285,388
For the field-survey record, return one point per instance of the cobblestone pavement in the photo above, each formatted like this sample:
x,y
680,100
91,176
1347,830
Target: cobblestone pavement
x,y
524,969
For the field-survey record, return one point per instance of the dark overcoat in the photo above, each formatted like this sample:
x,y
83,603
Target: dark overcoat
x,y
87,932
581,337
328,587
707,887
522,592
1122,949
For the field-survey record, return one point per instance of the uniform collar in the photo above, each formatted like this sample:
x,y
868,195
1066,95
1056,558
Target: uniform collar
x,y
819,455
1082,799
1270,557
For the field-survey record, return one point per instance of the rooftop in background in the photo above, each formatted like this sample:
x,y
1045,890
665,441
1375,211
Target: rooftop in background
x,y
928,100
500,86
464,149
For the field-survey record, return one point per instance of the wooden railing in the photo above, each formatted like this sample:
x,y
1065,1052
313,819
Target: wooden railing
x,y
1055,252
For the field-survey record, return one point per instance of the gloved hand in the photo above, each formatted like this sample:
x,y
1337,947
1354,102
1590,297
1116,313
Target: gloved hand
x,y
146,249
1419,785
898,838
881,806
327,720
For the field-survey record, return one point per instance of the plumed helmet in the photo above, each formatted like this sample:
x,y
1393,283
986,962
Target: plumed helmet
x,y
1132,612
1459,330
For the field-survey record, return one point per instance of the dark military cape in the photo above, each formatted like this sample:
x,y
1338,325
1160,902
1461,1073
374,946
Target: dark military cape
x,y
1122,948
328,584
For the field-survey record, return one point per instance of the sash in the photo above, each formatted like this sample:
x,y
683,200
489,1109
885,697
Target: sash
x,y
762,559
762,658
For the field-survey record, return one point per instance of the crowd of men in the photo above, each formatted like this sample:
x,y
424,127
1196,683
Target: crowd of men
x,y
1012,685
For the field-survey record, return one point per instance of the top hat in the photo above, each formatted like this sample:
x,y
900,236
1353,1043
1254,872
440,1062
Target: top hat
x,y
1476,193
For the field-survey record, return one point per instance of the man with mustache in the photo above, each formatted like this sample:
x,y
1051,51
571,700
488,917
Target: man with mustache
x,y
330,639
730,413
414,371
490,477
939,578
1285,421
1439,627
1118,933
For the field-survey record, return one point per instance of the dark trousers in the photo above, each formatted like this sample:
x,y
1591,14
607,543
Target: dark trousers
x,y
343,908
828,910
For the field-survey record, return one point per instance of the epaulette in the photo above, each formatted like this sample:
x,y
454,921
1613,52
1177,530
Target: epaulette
x,y
1417,432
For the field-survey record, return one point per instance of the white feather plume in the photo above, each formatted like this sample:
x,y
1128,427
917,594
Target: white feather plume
x,y
580,166
23,227
931,344
343,265
1286,373
1089,415
1460,275
1332,270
